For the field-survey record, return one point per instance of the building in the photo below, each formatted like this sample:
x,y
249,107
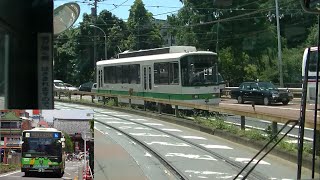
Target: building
x,y
74,128
11,127
43,123
168,38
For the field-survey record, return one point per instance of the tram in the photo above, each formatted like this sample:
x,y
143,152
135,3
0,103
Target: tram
x,y
171,73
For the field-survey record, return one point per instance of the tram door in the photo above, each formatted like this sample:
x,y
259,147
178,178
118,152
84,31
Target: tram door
x,y
147,79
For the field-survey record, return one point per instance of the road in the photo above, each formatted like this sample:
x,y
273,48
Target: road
x,y
190,160
292,109
72,172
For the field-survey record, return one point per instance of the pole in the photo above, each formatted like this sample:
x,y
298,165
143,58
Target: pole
x,y
279,44
94,13
0,142
105,39
85,152
315,143
105,47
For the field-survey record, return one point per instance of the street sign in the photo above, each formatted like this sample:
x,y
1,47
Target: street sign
x,y
86,136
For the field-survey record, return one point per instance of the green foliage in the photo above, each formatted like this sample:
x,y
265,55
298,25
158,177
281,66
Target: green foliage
x,y
254,135
68,143
143,33
91,122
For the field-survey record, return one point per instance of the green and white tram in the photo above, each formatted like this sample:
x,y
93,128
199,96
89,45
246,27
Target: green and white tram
x,y
175,73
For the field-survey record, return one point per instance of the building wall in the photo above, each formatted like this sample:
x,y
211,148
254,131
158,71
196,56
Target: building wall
x,y
71,126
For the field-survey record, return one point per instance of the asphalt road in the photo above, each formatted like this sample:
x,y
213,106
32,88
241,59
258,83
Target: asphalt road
x,y
72,172
194,163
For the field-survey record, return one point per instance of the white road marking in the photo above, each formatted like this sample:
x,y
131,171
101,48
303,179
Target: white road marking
x,y
202,177
174,130
109,112
153,124
125,127
204,172
105,118
246,160
147,154
193,137
144,128
119,133
148,134
211,146
168,144
122,115
192,156
4,175
119,122
99,130
138,120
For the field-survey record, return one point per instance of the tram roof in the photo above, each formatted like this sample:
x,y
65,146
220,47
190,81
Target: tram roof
x,y
152,57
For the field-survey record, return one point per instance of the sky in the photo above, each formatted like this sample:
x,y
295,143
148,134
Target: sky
x,y
72,114
120,8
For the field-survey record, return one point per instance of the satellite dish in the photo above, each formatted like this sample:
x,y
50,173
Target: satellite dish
x,y
65,16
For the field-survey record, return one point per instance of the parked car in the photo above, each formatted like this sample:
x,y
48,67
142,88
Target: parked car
x,y
58,85
86,86
70,87
261,92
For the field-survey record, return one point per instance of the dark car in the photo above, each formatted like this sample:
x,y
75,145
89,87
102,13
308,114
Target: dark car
x,y
86,86
261,92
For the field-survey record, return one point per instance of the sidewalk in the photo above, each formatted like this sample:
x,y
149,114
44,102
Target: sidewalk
x,y
112,161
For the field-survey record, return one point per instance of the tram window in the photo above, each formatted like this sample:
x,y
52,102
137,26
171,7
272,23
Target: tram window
x,y
107,73
134,74
162,74
174,73
150,80
118,74
313,61
125,77
166,73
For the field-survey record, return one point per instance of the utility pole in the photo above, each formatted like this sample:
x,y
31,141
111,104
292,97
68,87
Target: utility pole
x,y
279,44
94,14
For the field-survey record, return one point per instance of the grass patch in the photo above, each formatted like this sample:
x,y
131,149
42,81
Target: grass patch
x,y
4,168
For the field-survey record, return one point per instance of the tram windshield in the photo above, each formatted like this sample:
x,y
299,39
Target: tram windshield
x,y
199,70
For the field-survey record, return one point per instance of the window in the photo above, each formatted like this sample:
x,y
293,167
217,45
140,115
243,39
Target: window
x,y
118,74
313,61
125,74
199,70
122,74
166,73
173,73
134,74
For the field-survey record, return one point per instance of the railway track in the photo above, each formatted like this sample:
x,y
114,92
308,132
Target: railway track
x,y
236,166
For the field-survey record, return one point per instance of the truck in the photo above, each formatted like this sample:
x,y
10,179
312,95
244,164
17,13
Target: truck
x,y
261,92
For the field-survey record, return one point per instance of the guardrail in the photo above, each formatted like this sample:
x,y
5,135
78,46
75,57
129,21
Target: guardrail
x,y
274,118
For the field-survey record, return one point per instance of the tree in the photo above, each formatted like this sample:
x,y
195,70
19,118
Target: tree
x,y
143,33
68,142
